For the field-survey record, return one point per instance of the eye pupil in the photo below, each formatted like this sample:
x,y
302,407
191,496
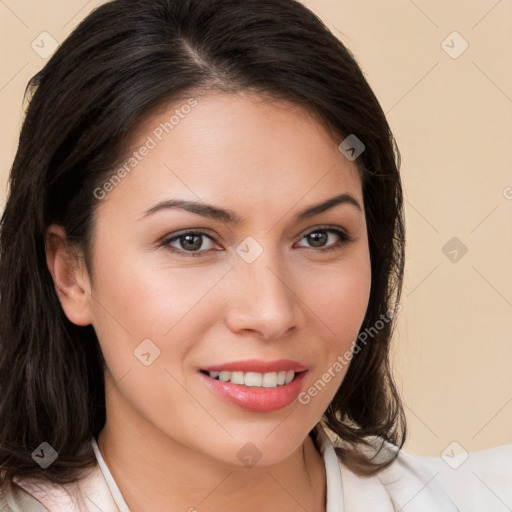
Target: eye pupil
x,y
188,245
318,236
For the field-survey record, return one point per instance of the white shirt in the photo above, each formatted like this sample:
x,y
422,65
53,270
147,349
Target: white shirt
x,y
410,484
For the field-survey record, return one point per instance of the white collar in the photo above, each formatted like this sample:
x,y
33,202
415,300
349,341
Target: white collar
x,y
114,489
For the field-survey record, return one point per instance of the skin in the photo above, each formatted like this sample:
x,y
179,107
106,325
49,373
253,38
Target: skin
x,y
170,443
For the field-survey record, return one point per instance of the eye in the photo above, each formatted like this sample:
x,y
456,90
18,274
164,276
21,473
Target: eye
x,y
189,243
319,236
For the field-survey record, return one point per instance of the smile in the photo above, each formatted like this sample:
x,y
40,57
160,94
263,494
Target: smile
x,y
255,385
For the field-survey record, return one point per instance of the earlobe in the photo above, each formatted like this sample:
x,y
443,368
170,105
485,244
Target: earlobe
x,y
69,277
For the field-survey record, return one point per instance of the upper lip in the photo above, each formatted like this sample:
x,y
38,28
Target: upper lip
x,y
258,366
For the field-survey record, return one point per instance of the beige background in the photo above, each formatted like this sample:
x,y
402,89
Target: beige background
x,y
452,117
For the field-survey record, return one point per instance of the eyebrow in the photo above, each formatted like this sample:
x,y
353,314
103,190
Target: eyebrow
x,y
230,217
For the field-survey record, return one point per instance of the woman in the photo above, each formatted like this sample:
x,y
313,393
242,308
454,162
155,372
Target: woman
x,y
201,260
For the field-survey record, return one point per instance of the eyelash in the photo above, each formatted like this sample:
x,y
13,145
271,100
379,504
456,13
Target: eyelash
x,y
344,237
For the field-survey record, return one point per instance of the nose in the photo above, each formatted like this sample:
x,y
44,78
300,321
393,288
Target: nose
x,y
263,300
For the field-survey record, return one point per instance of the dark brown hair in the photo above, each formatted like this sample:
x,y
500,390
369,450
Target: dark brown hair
x,y
125,59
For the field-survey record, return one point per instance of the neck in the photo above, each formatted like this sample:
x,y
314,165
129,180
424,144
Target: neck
x,y
155,472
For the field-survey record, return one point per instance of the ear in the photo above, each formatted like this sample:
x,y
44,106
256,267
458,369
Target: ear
x,y
69,276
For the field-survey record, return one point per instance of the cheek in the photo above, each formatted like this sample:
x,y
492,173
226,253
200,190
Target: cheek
x,y
134,302
340,306
340,298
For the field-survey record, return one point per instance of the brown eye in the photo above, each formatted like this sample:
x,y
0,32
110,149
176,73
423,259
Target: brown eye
x,y
189,243
320,237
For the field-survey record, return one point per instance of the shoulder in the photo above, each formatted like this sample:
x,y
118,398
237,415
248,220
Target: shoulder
x,y
14,498
90,492
413,484
467,482
480,480
407,484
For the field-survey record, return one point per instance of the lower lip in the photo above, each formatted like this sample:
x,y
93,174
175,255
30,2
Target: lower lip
x,y
256,399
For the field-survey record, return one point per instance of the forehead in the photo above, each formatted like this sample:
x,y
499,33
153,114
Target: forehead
x,y
241,149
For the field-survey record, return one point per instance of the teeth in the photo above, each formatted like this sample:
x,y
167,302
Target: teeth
x,y
254,379
237,377
269,380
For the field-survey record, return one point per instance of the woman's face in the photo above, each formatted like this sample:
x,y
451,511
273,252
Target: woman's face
x,y
181,292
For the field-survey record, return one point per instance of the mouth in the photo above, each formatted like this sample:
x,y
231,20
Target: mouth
x,y
256,386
